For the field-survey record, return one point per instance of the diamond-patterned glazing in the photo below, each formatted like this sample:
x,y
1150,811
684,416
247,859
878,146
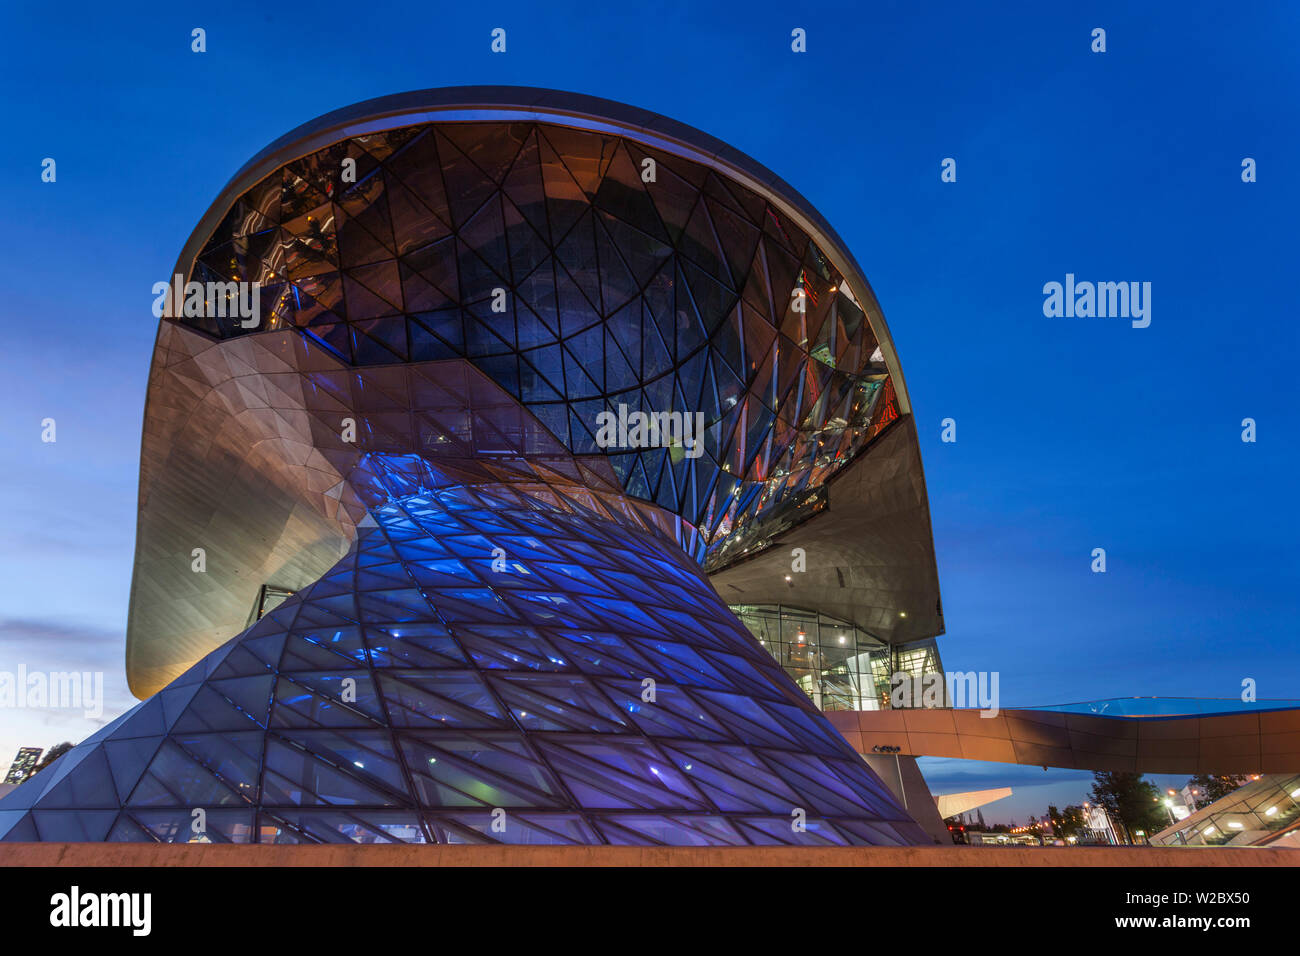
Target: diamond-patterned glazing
x,y
476,670
632,277
502,630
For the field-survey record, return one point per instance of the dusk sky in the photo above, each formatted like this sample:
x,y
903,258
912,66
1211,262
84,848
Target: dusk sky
x,y
1072,433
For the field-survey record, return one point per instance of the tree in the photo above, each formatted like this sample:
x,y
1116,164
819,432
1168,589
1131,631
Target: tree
x,y
1067,823
1132,802
1209,787
51,755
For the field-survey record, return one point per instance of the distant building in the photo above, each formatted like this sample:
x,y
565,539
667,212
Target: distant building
x,y
1264,812
23,764
981,838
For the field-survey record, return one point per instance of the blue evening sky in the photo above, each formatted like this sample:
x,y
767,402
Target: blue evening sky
x,y
1072,433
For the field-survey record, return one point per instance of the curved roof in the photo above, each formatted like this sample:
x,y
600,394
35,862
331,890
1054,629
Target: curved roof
x,y
484,103
240,454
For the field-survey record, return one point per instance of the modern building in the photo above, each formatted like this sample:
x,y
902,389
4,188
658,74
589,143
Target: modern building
x,y
486,427
23,765
1263,812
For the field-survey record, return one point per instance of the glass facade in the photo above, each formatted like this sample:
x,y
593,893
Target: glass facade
x,y
631,277
1172,706
519,643
584,685
839,666
1249,816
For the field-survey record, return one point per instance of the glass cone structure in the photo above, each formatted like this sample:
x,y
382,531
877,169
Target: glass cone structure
x,y
417,694
493,626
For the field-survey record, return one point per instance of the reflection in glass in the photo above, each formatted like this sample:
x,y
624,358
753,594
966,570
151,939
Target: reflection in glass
x,y
838,665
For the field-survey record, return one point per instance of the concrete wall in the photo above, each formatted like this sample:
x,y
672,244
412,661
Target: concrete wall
x,y
201,854
901,774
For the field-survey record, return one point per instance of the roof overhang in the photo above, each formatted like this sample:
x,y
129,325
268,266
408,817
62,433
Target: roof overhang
x,y
194,480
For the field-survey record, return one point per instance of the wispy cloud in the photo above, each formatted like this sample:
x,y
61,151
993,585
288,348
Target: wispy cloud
x,y
59,645
17,631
